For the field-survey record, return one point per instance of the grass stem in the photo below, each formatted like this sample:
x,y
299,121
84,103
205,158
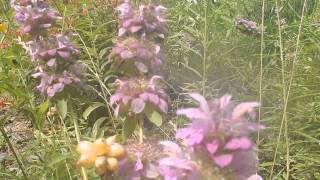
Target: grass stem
x,y
4,133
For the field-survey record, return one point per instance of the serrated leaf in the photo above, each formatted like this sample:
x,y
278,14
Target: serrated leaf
x,y
90,109
63,108
155,117
129,125
96,130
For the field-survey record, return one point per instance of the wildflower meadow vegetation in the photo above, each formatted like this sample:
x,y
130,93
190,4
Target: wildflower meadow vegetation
x,y
167,89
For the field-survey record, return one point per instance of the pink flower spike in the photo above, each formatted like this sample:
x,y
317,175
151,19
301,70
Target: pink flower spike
x,y
255,177
243,108
138,165
212,147
202,101
243,143
51,62
223,160
137,105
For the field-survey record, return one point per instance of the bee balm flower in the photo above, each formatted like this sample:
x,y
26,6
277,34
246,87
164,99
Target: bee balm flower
x,y
219,128
136,94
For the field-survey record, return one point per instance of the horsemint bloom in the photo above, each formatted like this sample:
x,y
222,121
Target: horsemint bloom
x,y
52,51
221,129
147,21
53,83
136,55
35,17
134,95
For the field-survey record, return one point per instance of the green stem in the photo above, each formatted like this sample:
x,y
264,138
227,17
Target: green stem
x,y
141,131
283,88
14,152
205,46
261,71
77,130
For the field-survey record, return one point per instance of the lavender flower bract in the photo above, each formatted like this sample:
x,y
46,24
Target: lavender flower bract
x,y
35,17
136,94
56,48
147,21
131,52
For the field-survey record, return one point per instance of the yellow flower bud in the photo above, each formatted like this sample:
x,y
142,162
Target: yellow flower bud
x,y
84,147
3,27
116,151
101,165
113,164
111,140
100,147
86,160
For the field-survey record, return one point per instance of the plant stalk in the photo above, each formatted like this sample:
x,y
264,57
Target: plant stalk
x,y
141,131
4,133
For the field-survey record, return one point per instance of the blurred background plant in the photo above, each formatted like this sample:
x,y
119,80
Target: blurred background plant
x,y
206,53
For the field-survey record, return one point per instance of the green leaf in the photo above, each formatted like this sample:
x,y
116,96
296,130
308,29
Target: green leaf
x,y
43,107
63,108
129,125
103,52
155,117
91,108
55,160
96,130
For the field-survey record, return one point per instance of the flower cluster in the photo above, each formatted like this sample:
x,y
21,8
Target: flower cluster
x,y
54,56
137,55
35,17
140,55
146,21
138,50
135,94
103,154
246,26
220,129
